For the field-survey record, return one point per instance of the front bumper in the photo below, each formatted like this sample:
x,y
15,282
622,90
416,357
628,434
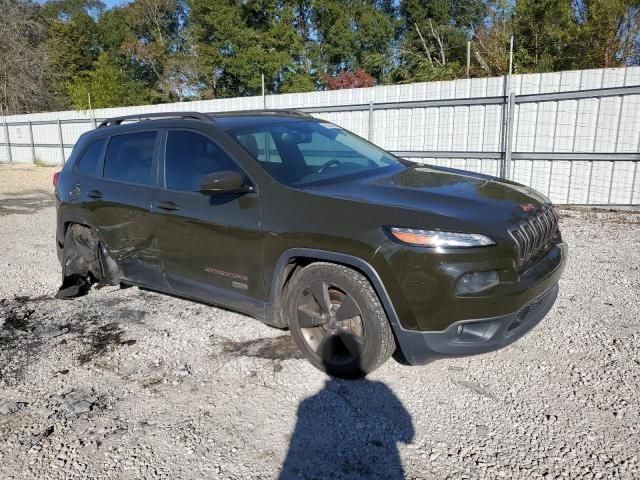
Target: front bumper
x,y
472,337
531,299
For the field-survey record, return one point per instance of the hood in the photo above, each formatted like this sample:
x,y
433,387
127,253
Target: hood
x,y
477,199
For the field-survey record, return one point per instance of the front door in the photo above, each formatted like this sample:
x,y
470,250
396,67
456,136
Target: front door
x,y
210,244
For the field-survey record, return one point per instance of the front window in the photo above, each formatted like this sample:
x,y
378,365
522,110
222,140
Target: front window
x,y
301,153
189,156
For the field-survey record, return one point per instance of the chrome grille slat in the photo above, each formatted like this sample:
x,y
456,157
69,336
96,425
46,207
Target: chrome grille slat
x,y
533,235
540,233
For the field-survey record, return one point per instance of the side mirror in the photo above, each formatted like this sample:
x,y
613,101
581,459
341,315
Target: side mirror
x,y
222,183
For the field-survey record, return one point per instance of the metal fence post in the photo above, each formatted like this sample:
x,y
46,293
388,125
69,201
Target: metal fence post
x,y
633,180
8,141
33,145
61,142
508,146
504,115
370,137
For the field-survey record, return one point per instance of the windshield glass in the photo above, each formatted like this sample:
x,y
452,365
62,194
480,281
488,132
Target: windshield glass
x,y
301,153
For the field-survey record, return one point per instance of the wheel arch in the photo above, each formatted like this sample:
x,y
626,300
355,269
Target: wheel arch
x,y
106,270
296,258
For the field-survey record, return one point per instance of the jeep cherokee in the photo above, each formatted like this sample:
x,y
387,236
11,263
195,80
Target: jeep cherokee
x,y
304,225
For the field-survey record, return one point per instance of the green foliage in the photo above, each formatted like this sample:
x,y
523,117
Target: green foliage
x,y
298,82
238,42
607,33
177,50
108,85
354,34
71,50
544,29
434,38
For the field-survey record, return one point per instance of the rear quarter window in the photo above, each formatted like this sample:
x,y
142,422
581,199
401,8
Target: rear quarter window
x,y
129,158
88,163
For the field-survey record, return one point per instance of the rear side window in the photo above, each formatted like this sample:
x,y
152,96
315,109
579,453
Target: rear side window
x,y
129,158
89,161
189,156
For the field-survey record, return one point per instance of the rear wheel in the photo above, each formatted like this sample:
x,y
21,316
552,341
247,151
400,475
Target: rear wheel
x,y
337,321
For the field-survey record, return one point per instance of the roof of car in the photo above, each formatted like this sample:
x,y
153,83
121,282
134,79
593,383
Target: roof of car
x,y
223,120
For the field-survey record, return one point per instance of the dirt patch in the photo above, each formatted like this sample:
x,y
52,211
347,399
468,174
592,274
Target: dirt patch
x,y
276,348
103,339
21,178
25,205
18,322
15,315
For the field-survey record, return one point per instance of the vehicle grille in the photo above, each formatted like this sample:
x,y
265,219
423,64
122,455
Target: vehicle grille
x,y
533,235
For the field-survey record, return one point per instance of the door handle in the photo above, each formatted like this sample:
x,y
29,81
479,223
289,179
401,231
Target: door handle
x,y
95,194
168,205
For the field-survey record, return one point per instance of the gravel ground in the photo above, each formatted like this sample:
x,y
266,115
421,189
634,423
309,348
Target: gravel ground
x,y
126,383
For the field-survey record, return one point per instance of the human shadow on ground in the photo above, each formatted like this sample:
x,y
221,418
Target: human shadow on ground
x,y
350,429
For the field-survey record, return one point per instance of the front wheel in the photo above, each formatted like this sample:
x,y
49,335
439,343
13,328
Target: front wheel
x,y
337,321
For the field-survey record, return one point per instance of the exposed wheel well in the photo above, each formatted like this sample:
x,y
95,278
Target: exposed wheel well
x,y
92,257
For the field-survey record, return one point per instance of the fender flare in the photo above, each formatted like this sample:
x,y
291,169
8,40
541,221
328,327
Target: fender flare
x,y
352,261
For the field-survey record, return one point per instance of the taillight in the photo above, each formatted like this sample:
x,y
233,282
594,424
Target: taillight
x,y
55,179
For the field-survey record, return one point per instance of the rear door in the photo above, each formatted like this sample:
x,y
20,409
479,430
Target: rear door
x,y
210,245
120,203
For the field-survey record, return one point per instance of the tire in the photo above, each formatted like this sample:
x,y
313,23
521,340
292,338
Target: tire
x,y
337,321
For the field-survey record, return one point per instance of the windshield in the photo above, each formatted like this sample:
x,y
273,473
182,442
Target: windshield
x,y
301,153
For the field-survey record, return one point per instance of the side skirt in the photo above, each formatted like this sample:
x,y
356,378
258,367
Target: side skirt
x,y
184,287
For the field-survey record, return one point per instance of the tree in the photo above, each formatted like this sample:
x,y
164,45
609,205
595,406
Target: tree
x,y
303,77
607,33
543,31
490,42
153,34
24,72
71,50
52,53
434,37
238,42
354,34
108,85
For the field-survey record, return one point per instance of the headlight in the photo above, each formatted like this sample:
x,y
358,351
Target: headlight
x,y
435,238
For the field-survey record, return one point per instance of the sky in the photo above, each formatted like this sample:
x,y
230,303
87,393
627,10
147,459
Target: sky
x,y
111,3
108,3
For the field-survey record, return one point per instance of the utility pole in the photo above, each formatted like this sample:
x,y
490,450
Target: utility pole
x,y
93,115
468,57
510,61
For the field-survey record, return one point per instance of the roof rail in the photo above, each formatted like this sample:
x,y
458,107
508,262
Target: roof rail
x,y
110,122
295,111
272,111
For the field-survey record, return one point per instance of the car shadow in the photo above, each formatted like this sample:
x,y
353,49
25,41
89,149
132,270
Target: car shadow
x,y
349,429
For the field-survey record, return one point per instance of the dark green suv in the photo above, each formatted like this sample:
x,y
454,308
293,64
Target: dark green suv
x,y
301,224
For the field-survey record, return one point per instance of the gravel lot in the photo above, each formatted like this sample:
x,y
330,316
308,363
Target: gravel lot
x,y
125,383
